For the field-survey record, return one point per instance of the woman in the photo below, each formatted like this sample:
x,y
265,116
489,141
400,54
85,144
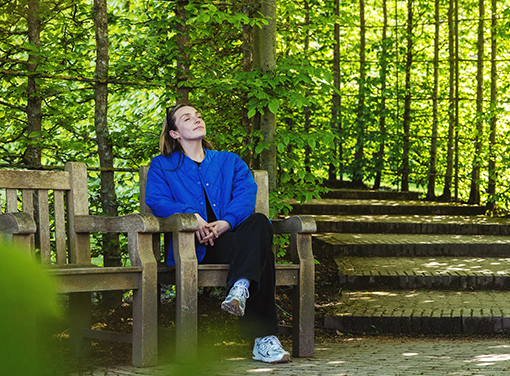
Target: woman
x,y
218,187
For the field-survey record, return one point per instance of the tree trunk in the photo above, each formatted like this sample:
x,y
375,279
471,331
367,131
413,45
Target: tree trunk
x,y
307,108
382,106
111,249
336,125
431,195
247,48
457,101
358,173
474,195
407,98
32,156
183,43
494,103
447,194
264,58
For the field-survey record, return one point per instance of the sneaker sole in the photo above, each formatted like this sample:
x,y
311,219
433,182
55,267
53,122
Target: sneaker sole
x,y
232,307
284,359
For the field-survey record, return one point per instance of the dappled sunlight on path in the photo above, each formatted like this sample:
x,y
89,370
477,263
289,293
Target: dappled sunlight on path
x,y
368,356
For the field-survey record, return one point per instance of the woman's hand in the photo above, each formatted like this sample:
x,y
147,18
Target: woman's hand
x,y
207,232
203,230
217,229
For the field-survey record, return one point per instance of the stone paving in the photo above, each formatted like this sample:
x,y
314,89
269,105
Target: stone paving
x,y
361,356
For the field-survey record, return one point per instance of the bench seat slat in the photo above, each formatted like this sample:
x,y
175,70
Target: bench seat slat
x,y
97,279
69,270
216,274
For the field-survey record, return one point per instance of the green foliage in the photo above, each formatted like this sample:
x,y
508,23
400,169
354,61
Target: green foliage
x,y
20,352
144,77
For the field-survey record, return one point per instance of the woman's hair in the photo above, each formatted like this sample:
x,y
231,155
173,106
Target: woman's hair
x,y
168,144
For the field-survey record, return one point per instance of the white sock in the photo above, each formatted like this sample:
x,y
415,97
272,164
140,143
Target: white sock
x,y
242,282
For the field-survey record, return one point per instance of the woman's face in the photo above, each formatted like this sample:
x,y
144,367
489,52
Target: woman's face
x,y
189,124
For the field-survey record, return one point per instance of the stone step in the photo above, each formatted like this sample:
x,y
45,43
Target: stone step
x,y
352,194
421,312
383,207
447,273
413,224
397,245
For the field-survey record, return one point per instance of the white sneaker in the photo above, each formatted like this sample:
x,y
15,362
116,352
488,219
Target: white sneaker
x,y
270,350
235,302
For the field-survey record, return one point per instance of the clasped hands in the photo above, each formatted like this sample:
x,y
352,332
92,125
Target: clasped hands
x,y
207,232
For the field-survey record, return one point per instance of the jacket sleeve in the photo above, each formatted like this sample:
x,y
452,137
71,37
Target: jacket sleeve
x,y
158,193
244,194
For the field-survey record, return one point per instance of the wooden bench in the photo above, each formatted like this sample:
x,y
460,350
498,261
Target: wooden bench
x,y
187,275
70,260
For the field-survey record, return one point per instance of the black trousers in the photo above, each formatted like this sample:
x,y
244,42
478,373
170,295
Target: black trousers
x,y
248,251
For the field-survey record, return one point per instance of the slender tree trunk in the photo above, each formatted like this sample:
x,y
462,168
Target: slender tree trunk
x,y
183,43
247,48
447,194
307,108
431,195
474,195
358,174
407,99
264,58
457,100
494,103
34,116
382,107
104,143
336,125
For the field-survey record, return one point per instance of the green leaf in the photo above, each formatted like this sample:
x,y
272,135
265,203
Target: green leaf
x,y
273,105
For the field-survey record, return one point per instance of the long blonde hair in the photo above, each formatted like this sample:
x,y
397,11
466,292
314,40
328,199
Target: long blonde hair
x,y
168,144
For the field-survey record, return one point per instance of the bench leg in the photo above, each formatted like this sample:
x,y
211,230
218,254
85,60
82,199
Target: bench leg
x,y
80,314
186,316
186,297
145,328
303,326
145,304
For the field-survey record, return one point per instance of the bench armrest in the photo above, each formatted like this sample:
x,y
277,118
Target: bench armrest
x,y
138,224
295,224
146,223
183,222
17,223
127,223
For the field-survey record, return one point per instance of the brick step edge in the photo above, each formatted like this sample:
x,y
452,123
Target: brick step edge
x,y
372,195
412,228
417,323
442,282
334,209
417,250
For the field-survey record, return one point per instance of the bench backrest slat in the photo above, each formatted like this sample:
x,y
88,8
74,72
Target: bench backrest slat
x,y
27,199
11,198
44,225
60,228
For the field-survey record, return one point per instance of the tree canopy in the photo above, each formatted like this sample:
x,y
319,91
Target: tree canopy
x,y
383,93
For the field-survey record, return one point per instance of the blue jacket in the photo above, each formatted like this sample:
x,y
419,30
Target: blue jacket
x,y
175,184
